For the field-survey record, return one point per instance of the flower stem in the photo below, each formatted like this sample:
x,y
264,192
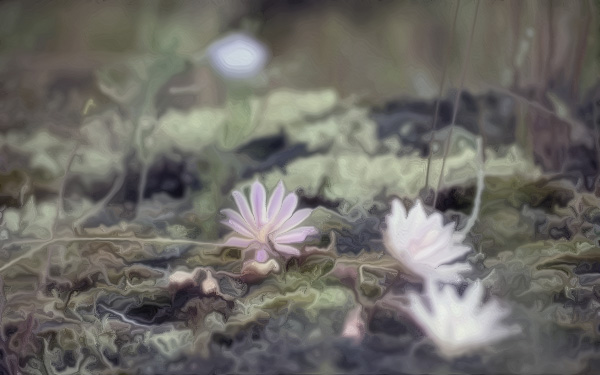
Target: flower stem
x,y
44,243
480,184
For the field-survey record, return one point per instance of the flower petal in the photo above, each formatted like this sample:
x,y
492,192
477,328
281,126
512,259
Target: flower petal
x,y
451,253
417,307
261,256
397,232
398,214
417,217
437,220
285,249
287,209
295,235
473,296
258,198
298,217
237,223
458,325
238,242
237,228
451,273
437,252
275,201
244,208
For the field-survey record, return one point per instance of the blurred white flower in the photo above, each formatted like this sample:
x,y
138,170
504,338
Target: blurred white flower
x,y
179,279
424,244
253,270
458,325
354,326
237,56
210,284
267,228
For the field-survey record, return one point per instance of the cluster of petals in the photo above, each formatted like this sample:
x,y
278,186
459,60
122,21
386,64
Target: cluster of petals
x,y
267,227
460,325
237,56
424,244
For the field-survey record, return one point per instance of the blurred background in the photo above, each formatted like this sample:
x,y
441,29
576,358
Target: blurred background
x,y
380,50
137,119
64,59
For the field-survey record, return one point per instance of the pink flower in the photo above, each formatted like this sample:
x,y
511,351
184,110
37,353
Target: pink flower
x,y
267,227
423,244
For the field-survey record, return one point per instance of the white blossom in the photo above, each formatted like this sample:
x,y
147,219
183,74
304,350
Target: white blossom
x,y
423,244
237,56
458,325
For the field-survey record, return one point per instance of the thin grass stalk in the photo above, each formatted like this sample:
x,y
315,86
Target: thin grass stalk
x,y
440,93
456,103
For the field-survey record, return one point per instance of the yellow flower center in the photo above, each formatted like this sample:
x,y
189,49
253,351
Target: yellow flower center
x,y
262,234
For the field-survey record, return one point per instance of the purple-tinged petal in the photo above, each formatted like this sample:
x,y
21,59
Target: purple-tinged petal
x,y
233,218
285,249
258,198
238,242
238,229
287,209
275,201
295,235
244,208
298,217
261,256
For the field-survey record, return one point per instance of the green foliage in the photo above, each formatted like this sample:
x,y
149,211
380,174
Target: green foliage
x,y
97,254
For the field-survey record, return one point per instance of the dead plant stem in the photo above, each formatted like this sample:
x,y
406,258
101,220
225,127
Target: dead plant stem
x,y
456,103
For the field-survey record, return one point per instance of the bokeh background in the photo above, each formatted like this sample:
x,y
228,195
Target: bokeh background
x,y
120,144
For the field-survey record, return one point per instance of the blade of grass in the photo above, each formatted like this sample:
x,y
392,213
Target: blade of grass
x,y
456,103
45,243
581,49
61,191
440,93
596,104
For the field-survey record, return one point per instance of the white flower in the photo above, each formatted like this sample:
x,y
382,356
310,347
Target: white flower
x,y
237,56
354,326
424,244
210,284
182,278
268,228
457,325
